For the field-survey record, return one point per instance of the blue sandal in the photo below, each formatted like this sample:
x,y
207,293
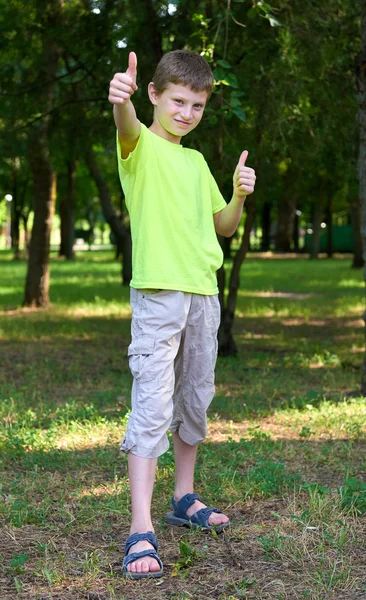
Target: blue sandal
x,y
199,520
150,537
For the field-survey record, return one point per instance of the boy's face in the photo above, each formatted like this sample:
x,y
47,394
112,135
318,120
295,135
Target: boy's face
x,y
177,111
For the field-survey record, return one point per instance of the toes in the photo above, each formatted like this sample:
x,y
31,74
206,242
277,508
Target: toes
x,y
154,566
143,566
217,519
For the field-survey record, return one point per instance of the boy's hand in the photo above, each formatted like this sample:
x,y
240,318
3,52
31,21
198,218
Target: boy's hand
x,y
123,85
244,178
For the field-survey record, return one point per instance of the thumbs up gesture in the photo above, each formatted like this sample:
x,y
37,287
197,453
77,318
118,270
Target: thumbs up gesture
x,y
244,177
123,85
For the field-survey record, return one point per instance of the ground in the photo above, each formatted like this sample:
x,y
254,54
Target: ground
x,y
285,455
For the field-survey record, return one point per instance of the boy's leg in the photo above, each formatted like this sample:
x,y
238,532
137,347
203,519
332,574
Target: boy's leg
x,y
141,473
185,459
157,322
194,390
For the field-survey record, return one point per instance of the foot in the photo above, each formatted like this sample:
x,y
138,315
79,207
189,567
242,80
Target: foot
x,y
146,564
215,518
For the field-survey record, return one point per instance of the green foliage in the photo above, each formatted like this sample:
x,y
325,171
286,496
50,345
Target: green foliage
x,y
353,494
188,556
269,477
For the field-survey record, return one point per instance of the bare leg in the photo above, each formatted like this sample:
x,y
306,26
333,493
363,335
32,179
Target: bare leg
x,y
142,476
185,459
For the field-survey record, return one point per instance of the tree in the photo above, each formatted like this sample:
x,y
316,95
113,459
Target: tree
x,y
361,97
44,179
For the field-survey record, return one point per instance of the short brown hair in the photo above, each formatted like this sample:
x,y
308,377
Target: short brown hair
x,y
186,68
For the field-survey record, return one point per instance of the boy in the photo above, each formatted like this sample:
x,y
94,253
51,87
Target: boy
x,y
175,209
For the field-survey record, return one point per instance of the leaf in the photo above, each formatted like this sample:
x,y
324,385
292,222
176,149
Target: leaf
x,y
231,78
273,21
235,102
224,64
19,560
252,13
240,114
219,74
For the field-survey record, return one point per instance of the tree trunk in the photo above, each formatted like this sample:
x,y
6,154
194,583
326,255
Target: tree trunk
x,y
15,216
286,216
358,261
227,345
315,238
360,68
266,227
296,231
155,31
37,281
121,232
25,217
67,214
329,222
15,231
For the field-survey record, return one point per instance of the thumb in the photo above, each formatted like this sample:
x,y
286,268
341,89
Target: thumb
x,y
132,66
243,158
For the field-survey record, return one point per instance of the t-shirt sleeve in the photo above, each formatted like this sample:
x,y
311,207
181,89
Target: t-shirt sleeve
x,y
136,160
217,200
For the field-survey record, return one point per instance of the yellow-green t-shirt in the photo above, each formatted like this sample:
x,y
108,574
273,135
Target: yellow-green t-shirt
x,y
171,197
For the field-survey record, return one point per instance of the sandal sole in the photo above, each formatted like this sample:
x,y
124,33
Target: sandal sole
x,y
171,519
150,575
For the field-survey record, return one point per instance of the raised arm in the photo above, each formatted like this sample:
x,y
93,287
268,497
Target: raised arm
x,y
227,220
121,88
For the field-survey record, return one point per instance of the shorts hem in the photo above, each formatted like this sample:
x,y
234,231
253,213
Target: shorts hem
x,y
187,437
144,452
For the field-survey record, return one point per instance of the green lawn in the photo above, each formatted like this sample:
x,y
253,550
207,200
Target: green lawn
x,y
285,455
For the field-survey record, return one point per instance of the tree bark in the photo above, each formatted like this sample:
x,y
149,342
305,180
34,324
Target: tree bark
x,y
67,214
266,227
121,232
227,345
358,261
329,222
360,69
15,216
315,238
296,231
286,217
37,280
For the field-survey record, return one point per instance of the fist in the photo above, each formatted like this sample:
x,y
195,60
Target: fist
x,y
244,177
123,85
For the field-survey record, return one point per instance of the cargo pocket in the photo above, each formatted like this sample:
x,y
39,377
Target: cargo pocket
x,y
141,358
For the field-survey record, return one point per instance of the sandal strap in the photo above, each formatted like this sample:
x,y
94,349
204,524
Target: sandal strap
x,y
202,516
136,555
148,536
180,507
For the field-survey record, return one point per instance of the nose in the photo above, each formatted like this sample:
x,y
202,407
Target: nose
x,y
186,113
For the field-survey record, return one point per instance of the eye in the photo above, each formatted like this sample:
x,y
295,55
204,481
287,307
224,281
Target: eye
x,y
178,101
199,106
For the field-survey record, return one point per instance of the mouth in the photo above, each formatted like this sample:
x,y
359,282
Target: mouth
x,y
182,123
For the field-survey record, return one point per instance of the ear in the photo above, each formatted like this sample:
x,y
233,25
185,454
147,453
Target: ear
x,y
153,95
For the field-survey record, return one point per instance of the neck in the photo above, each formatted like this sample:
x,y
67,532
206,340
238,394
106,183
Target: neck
x,y
163,133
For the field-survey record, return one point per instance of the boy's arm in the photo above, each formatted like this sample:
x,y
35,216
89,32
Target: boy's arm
x,y
227,220
121,88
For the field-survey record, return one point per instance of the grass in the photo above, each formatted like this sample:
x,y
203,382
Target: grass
x,y
285,455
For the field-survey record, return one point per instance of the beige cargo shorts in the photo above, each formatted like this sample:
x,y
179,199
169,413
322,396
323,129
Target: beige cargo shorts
x,y
172,358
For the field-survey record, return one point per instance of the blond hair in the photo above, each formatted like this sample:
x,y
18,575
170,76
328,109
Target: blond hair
x,y
183,67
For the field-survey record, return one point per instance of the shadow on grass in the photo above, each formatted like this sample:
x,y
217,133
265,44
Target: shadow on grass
x,y
227,472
